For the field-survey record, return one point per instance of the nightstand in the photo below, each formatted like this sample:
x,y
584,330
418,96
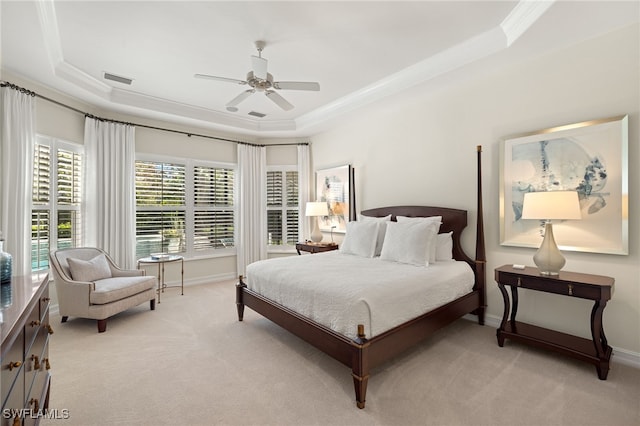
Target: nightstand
x,y
569,284
311,247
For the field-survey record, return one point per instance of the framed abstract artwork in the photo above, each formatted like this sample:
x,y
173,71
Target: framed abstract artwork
x,y
334,186
590,158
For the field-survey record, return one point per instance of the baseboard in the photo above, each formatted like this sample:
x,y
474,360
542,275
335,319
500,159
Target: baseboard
x,y
619,355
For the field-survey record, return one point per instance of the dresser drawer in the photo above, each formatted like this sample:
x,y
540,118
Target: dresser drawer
x,y
31,329
12,369
45,300
13,406
35,397
35,363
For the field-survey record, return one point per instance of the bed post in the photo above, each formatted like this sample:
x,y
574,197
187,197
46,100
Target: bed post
x,y
481,258
239,303
360,366
352,195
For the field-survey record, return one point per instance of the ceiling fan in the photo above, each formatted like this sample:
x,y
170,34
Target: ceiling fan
x,y
261,81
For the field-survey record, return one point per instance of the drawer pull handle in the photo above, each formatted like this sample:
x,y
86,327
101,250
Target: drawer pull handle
x,y
35,404
36,362
570,289
46,299
519,282
13,365
34,323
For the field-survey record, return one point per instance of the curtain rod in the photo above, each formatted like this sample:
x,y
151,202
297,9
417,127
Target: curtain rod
x,y
108,120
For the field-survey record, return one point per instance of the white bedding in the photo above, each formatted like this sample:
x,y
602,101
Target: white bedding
x,y
341,290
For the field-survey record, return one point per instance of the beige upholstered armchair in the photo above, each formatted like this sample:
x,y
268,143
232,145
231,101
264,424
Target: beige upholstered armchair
x,y
90,285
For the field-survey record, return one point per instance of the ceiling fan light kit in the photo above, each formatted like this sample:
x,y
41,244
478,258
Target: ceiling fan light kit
x,y
261,81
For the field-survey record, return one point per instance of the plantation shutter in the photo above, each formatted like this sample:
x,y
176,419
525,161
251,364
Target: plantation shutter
x,y
160,208
213,207
40,222
282,207
69,192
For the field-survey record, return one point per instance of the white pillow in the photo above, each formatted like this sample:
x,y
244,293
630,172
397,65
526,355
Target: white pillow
x,y
430,219
382,229
409,242
360,238
89,270
444,246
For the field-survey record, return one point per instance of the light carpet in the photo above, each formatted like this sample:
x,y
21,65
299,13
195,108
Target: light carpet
x,y
190,362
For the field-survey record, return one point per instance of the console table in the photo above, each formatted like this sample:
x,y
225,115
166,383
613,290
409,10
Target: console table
x,y
26,381
570,284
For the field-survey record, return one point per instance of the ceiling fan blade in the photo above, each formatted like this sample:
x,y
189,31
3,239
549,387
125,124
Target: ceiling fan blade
x,y
278,100
225,79
241,97
296,85
259,67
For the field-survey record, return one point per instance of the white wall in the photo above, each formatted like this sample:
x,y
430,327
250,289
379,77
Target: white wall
x,y
420,148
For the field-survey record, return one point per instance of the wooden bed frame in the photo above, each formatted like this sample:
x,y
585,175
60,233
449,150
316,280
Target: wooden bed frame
x,y
363,354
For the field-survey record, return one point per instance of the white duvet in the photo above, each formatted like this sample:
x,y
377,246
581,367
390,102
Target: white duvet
x,y
341,291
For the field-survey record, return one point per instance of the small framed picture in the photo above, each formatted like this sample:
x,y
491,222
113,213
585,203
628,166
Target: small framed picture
x,y
334,186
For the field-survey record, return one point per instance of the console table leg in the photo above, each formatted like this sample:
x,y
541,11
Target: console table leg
x,y
600,340
603,369
505,315
597,331
514,308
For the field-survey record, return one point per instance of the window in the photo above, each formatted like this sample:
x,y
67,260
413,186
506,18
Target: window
x,y
56,196
282,207
213,207
183,207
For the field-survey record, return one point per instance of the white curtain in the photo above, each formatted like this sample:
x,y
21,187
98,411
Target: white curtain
x,y
304,191
252,212
16,175
109,190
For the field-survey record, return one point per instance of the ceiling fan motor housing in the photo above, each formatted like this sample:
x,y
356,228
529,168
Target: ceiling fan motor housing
x,y
258,83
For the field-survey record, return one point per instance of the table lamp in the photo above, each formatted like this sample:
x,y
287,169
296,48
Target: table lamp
x,y
316,209
548,206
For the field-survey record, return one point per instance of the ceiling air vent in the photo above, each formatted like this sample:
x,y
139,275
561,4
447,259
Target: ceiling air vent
x,y
117,78
257,114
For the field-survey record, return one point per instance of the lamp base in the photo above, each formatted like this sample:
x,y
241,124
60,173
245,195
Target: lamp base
x,y
548,258
316,235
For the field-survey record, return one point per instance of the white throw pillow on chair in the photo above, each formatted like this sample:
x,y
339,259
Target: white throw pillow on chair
x,y
89,270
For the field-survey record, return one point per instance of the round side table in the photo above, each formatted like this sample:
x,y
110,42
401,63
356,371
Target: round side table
x,y
160,261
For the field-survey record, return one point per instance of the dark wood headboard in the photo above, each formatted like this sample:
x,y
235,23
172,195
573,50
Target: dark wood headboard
x,y
452,220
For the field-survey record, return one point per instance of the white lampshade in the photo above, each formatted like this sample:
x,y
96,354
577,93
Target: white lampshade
x,y
551,205
317,208
548,206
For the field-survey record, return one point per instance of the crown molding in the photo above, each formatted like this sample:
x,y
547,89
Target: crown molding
x,y
522,17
